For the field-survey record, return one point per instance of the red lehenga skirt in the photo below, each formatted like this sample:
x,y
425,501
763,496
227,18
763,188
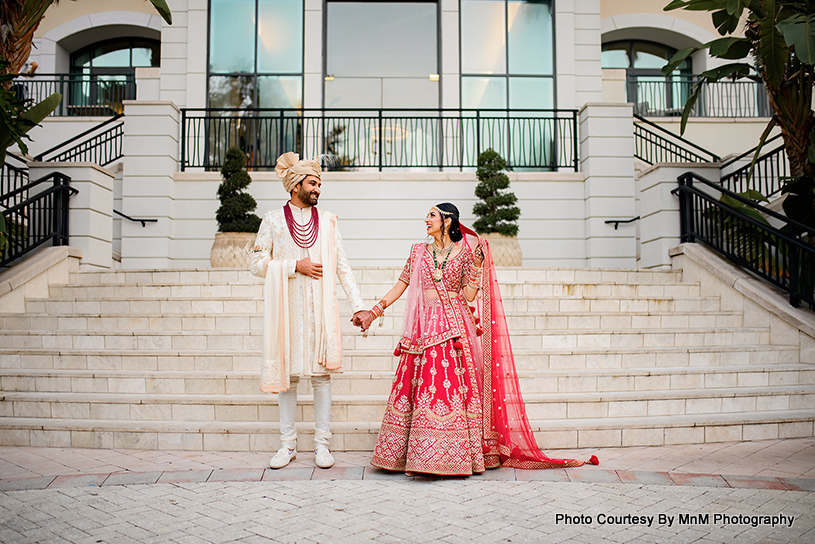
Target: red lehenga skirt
x,y
433,421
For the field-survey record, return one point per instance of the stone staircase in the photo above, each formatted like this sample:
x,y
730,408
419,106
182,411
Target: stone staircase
x,y
169,360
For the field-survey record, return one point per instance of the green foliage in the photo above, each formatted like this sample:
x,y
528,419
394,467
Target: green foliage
x,y
497,211
235,213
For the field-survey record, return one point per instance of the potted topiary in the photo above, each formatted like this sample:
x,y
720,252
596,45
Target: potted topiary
x,y
237,225
497,214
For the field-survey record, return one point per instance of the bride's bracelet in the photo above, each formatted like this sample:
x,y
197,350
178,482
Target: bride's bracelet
x,y
378,310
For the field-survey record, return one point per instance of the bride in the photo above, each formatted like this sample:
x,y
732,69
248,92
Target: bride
x,y
455,407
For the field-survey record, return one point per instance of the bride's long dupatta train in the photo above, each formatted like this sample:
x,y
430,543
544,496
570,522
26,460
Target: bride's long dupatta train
x,y
508,437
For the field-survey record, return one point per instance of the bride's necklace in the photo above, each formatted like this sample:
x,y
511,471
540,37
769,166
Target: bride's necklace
x,y
303,235
438,271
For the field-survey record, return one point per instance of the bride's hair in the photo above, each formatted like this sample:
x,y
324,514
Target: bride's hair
x,y
452,212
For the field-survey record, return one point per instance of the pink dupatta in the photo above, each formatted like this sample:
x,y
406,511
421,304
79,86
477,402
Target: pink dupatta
x,y
507,433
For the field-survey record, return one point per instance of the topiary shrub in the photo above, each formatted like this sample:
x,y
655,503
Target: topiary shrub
x,y
497,211
235,213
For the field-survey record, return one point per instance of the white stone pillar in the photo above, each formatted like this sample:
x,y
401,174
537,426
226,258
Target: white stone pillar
x,y
151,151
90,215
148,84
659,210
607,161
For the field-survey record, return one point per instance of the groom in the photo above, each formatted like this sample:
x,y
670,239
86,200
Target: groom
x,y
299,252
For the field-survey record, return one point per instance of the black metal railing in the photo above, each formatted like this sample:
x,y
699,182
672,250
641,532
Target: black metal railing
x,y
13,175
101,145
97,94
379,138
768,174
40,218
777,252
653,144
665,96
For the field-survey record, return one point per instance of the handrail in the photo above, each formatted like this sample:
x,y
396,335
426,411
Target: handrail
x,y
618,222
142,221
38,219
775,254
715,158
40,157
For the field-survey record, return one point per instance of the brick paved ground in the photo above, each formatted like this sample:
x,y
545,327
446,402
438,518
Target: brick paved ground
x,y
93,496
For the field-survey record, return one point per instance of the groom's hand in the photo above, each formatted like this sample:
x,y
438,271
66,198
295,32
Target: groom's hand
x,y
363,319
309,268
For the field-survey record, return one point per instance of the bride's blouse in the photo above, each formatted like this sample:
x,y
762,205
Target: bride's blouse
x,y
455,273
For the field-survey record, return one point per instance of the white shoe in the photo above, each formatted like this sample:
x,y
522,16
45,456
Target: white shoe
x,y
283,457
323,457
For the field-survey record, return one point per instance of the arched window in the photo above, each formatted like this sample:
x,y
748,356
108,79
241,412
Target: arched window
x,y
651,92
103,74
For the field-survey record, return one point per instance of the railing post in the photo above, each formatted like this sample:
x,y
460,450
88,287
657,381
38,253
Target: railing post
x,y
575,140
280,135
795,288
477,135
63,93
380,139
183,138
685,208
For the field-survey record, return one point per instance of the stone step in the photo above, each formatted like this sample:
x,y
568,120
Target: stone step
x,y
198,382
243,338
383,359
214,305
371,291
361,435
353,407
384,275
241,321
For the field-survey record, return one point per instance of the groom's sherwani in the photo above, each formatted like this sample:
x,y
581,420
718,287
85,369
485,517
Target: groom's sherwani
x,y
305,310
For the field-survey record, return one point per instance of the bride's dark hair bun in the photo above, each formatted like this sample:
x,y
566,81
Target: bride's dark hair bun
x,y
451,212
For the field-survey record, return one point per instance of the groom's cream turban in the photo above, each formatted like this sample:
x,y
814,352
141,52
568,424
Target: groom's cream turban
x,y
292,170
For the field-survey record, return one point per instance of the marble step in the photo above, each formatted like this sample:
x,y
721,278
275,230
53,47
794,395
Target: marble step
x,y
220,305
383,339
388,274
361,435
371,291
371,407
383,359
198,382
242,321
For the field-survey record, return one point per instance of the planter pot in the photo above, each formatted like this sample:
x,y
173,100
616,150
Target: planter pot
x,y
506,250
232,250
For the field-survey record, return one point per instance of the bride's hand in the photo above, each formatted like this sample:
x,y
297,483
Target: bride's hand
x,y
478,254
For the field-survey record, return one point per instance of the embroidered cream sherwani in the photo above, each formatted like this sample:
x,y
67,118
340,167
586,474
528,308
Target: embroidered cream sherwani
x,y
304,300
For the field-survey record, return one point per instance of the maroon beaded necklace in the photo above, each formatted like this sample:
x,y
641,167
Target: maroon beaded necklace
x,y
303,235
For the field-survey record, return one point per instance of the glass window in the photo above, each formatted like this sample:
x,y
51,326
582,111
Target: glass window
x,y
505,39
615,55
484,92
382,39
279,92
119,53
531,92
232,36
262,39
531,41
280,36
483,37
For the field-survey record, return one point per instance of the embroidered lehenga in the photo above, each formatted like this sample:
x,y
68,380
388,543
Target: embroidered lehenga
x,y
455,407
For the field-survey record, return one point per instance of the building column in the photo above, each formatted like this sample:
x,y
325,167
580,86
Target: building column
x,y
90,212
151,151
607,161
659,209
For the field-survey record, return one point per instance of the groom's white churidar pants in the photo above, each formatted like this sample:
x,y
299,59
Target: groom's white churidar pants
x,y
287,401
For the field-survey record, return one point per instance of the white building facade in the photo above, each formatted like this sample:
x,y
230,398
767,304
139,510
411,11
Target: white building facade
x,y
403,95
